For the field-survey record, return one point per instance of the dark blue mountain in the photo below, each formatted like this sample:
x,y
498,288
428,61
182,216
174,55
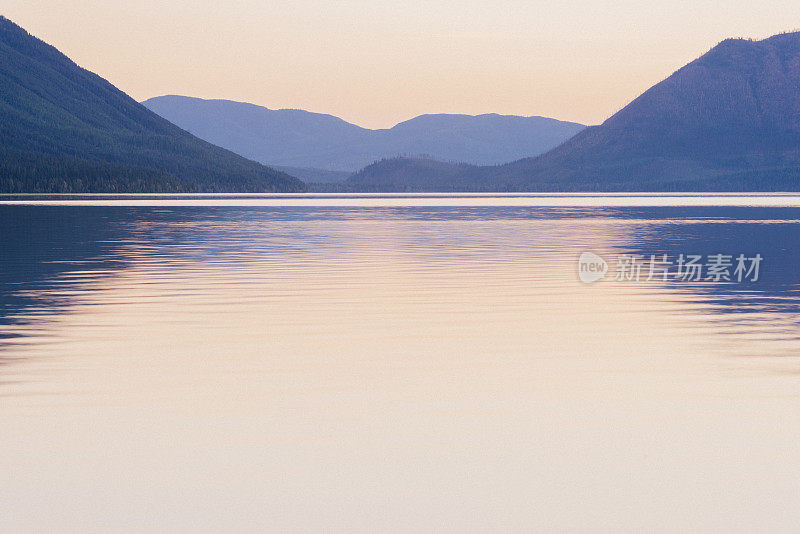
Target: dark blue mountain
x,y
65,129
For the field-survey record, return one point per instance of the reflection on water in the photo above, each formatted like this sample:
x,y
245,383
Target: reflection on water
x,y
313,365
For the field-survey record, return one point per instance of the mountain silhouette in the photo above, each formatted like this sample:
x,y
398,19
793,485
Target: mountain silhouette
x,y
65,129
728,121
297,138
409,175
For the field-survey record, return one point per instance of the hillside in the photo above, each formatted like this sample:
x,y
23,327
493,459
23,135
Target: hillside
x,y
728,121
296,138
410,175
65,129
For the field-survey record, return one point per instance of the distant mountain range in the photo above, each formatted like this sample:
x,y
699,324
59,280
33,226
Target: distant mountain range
x,y
728,121
301,139
65,129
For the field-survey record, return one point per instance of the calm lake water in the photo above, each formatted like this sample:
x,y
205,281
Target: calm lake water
x,y
398,363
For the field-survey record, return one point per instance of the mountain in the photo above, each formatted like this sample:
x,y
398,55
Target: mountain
x,y
478,140
65,129
728,121
296,138
409,175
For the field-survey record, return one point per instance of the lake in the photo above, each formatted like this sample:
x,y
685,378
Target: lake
x,y
399,363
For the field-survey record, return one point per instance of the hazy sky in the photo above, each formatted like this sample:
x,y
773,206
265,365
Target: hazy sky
x,y
376,63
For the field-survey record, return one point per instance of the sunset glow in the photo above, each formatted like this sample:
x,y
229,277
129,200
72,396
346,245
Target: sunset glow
x,y
379,63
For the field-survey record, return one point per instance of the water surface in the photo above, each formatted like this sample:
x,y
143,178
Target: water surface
x,y
397,363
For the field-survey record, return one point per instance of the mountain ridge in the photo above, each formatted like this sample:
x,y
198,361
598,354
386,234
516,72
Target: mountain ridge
x,y
66,129
327,142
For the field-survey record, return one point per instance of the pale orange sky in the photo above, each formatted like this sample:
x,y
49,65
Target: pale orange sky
x,y
377,63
